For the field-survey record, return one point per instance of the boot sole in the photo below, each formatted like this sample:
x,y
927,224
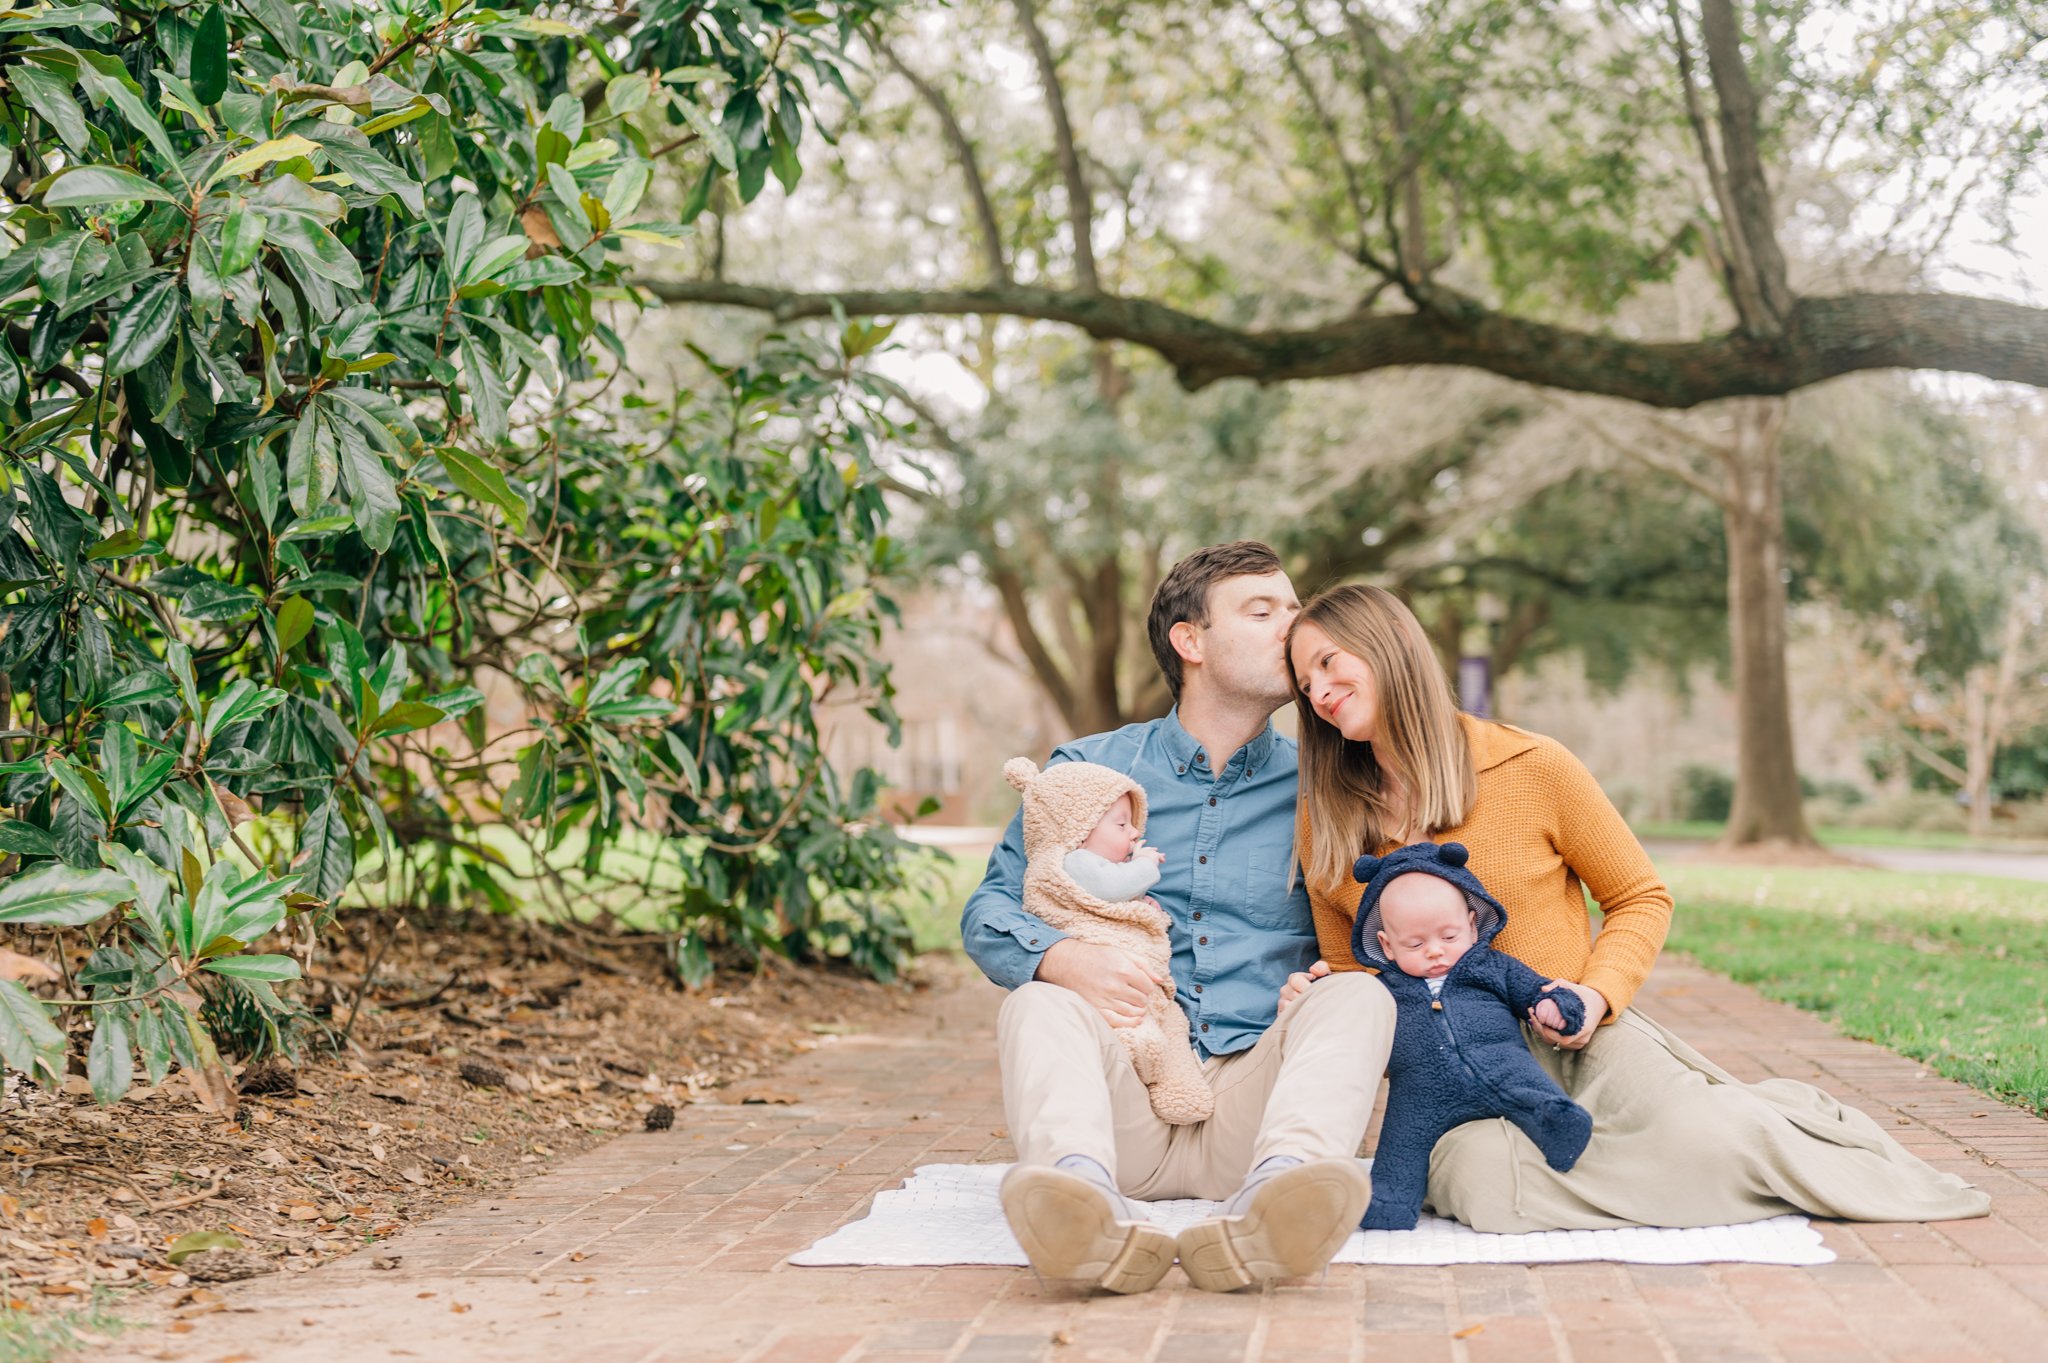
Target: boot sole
x,y
1070,1231
1296,1221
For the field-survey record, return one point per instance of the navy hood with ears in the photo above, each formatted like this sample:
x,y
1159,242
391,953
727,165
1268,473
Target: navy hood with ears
x,y
1445,861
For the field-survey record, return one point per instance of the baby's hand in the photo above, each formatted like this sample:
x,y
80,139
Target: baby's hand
x,y
1548,1014
1144,853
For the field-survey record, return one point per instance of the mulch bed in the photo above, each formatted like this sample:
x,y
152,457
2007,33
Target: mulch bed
x,y
482,1051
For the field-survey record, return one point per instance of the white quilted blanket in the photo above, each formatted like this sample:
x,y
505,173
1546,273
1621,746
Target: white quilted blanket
x,y
949,1214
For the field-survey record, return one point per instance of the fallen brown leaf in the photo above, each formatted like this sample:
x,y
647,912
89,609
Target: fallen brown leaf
x,y
540,233
15,966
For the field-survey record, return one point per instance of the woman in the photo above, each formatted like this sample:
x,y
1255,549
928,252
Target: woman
x,y
1387,759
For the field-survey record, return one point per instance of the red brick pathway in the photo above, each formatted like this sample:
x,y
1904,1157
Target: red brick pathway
x,y
671,1246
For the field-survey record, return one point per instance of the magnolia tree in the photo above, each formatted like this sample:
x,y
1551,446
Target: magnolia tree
x,y
313,412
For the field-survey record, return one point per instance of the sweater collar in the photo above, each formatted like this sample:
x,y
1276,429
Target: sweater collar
x,y
1494,743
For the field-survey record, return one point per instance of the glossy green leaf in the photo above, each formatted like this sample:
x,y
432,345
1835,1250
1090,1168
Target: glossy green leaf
x,y
110,1058
484,482
25,839
241,238
210,56
29,1040
326,857
294,623
88,186
145,326
51,892
51,98
198,1242
487,393
312,462
255,967
373,495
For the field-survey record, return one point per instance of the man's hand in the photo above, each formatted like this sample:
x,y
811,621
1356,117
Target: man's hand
x,y
1596,1009
1112,981
1298,983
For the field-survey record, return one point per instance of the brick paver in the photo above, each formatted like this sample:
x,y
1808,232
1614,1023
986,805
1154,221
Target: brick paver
x,y
671,1246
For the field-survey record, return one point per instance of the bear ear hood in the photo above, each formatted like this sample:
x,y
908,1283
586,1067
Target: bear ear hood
x,y
1065,800
1446,861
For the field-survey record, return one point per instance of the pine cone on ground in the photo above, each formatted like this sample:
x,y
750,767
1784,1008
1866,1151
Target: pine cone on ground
x,y
269,1077
660,1117
227,1265
483,1074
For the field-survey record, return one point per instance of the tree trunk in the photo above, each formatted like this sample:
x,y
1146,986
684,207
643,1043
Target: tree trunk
x,y
1980,747
1767,805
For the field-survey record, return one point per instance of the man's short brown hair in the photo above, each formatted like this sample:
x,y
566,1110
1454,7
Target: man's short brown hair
x,y
1184,595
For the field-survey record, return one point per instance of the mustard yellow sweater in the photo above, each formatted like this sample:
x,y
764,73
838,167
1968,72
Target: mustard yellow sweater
x,y
1542,833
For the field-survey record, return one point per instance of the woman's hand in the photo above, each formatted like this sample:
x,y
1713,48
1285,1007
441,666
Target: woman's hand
x,y
1298,983
1596,1009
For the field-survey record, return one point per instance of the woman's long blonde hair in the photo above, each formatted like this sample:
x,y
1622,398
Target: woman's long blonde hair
x,y
1418,737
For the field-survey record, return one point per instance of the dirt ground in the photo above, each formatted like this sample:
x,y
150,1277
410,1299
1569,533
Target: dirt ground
x,y
479,1053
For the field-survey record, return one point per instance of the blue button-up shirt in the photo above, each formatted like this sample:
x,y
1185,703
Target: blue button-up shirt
x,y
1238,928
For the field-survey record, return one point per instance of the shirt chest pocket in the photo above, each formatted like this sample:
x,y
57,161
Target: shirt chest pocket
x,y
1267,901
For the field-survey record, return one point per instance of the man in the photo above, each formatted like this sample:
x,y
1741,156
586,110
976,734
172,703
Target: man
x,y
1294,1065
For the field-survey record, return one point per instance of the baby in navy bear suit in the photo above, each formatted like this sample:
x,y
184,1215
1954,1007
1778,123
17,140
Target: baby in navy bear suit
x,y
1427,925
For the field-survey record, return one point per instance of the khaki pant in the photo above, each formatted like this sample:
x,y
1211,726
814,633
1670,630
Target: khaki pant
x,y
1678,1141
1306,1089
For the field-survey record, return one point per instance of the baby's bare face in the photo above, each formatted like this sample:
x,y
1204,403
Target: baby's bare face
x,y
1425,924
1116,836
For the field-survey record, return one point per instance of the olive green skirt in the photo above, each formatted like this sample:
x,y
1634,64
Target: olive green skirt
x,y
1677,1141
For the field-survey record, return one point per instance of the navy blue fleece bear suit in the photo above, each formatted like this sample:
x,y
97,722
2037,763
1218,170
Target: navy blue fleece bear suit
x,y
1458,1056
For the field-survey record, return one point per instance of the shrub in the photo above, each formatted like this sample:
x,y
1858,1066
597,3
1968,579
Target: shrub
x,y
312,417
1705,793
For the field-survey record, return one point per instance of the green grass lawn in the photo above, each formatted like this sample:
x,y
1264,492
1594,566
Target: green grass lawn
x,y
33,1336
1951,970
640,874
1697,830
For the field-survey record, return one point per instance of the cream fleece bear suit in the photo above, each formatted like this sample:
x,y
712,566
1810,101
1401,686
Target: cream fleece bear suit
x,y
1062,805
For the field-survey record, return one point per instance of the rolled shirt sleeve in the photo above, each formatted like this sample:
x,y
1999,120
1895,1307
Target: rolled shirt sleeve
x,y
1006,942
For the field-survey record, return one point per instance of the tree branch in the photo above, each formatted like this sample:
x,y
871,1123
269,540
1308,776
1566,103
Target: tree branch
x,y
1750,192
1017,605
1644,455
963,153
1403,166
1824,338
1353,190
1080,205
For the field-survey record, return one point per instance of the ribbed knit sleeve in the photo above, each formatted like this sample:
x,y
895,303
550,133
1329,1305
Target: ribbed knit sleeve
x,y
1597,844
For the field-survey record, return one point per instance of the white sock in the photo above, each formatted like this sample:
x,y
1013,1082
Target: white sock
x,y
1090,1168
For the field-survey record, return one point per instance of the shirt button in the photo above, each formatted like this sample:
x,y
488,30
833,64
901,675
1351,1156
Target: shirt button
x,y
1204,861
1212,799
1198,989
1205,1026
1198,915
1182,770
1201,941
1034,941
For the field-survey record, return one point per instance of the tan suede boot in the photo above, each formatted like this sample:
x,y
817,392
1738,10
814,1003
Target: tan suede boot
x,y
1074,1228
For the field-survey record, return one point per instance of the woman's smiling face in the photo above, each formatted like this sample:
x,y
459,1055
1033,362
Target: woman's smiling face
x,y
1338,685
